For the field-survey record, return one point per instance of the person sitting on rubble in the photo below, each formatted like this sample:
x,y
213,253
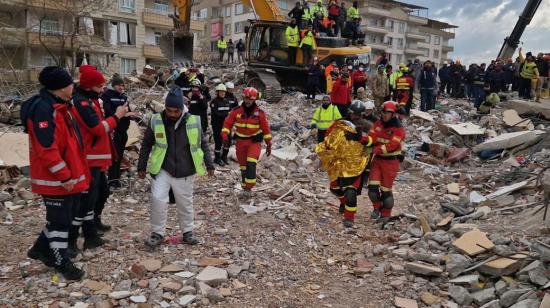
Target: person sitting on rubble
x,y
323,117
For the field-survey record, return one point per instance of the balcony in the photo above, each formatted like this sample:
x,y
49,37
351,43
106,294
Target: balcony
x,y
414,51
158,19
48,4
376,29
197,25
153,51
12,36
447,48
418,20
415,36
49,39
378,11
378,46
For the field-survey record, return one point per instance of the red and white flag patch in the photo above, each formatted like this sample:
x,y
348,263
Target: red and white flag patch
x,y
43,124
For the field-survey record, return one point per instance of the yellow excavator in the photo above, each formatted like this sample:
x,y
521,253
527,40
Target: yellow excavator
x,y
266,34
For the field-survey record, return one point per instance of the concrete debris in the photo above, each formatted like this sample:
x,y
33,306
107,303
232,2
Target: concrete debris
x,y
404,302
473,243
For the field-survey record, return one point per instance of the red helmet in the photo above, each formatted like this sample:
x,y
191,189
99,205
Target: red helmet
x,y
250,92
389,106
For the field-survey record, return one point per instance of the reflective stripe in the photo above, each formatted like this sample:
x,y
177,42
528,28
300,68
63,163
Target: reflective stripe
x,y
391,154
268,136
51,234
99,156
245,135
369,143
251,160
77,223
382,188
106,126
57,167
351,208
59,245
223,108
396,139
247,125
374,182
89,217
56,183
383,148
162,146
243,167
250,181
225,130
195,125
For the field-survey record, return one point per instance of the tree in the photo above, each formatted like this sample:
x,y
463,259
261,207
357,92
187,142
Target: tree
x,y
73,32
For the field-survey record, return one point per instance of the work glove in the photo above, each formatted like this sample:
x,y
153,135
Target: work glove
x,y
268,149
353,136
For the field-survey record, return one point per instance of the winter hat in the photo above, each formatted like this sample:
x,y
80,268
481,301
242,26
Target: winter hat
x,y
90,77
117,80
55,78
174,99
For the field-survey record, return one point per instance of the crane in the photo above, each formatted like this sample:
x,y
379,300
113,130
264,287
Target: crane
x,y
511,42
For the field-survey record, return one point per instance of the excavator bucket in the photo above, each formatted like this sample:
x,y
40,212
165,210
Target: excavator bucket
x,y
177,48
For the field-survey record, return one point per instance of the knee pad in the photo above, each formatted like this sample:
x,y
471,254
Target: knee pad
x,y
351,196
374,193
387,199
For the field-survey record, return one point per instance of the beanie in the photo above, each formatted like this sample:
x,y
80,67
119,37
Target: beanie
x,y
55,78
117,80
174,99
90,77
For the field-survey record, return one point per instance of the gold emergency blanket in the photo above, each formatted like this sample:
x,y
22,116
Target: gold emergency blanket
x,y
340,157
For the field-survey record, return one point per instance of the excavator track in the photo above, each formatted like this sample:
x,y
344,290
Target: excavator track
x,y
267,84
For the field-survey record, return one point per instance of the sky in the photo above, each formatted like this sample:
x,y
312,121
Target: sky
x,y
483,25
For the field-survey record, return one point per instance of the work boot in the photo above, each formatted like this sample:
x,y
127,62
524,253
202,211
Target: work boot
x,y
219,161
70,271
224,156
115,185
246,194
72,251
348,223
42,254
154,240
189,238
94,242
100,226
375,214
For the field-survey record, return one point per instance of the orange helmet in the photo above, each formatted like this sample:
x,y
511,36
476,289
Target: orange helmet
x,y
389,106
250,92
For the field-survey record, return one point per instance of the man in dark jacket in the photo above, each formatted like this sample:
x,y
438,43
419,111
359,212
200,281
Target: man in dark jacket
x,y
476,75
496,78
428,84
341,20
445,79
179,150
198,103
240,51
457,80
296,13
543,68
112,99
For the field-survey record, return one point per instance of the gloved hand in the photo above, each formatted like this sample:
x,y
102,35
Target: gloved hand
x,y
313,126
401,110
353,136
268,149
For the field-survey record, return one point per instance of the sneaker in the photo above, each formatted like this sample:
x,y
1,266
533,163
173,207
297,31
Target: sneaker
x,y
342,209
375,214
70,271
94,242
348,223
154,240
189,238
41,255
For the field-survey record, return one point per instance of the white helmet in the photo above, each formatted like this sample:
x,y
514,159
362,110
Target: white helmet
x,y
229,85
221,87
369,105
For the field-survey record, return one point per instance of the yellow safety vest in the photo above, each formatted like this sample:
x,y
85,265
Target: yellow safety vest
x,y
309,39
393,78
318,9
193,127
222,44
324,118
292,36
307,15
529,70
353,13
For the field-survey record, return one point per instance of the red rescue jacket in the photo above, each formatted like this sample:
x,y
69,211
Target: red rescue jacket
x,y
340,94
95,130
56,148
247,125
387,138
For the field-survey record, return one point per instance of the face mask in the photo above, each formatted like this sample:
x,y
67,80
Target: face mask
x,y
361,69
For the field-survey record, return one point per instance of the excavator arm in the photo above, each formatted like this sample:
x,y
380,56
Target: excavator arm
x,y
267,10
511,43
183,8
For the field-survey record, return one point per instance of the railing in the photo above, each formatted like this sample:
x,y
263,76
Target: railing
x,y
378,11
153,51
418,20
157,18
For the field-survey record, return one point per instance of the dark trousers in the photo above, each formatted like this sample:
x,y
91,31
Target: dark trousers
x,y
222,52
338,28
217,126
292,50
119,139
321,135
445,86
343,110
311,90
307,52
478,94
457,89
204,121
92,204
408,106
230,57
55,235
427,99
524,88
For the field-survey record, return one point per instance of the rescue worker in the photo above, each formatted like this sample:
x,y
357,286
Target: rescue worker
x,y
341,94
353,12
251,127
403,86
222,47
323,117
183,81
346,189
307,16
57,166
293,40
393,80
198,104
220,107
230,96
528,73
331,79
388,136
319,8
308,45
179,151
296,13
113,97
95,130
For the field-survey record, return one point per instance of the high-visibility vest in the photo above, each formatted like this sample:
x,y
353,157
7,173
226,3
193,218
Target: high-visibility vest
x,y
324,118
193,129
353,13
309,39
292,36
222,44
528,71
306,16
393,78
402,84
318,9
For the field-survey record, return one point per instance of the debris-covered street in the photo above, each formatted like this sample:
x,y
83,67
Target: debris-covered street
x,y
466,231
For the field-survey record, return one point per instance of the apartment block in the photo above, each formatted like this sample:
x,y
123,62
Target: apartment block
x,y
116,36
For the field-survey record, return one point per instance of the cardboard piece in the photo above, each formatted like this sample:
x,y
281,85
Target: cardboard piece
x,y
473,243
503,266
506,141
466,129
14,150
512,119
